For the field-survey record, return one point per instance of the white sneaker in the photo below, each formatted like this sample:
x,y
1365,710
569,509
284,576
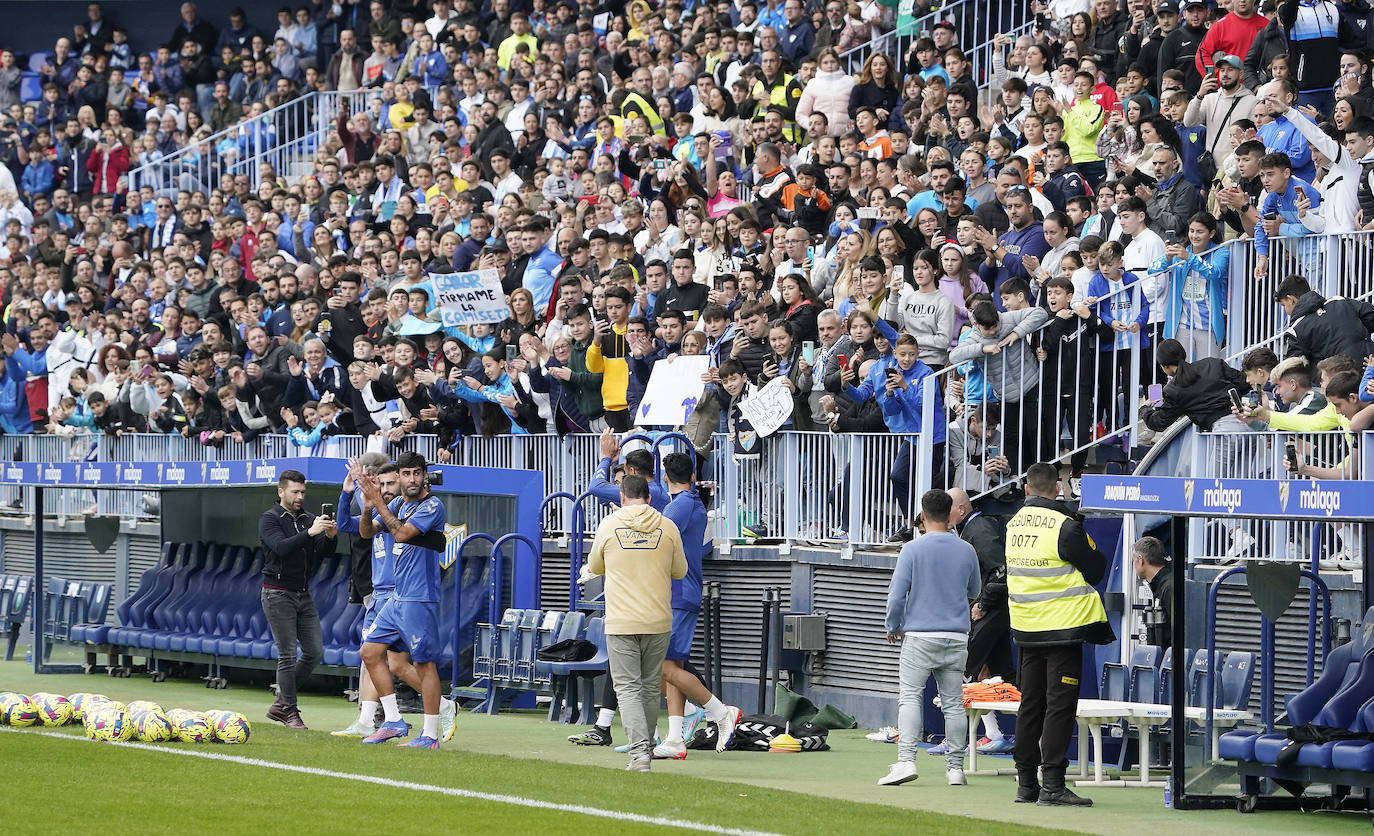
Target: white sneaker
x,y
955,777
671,750
357,729
448,718
725,727
902,772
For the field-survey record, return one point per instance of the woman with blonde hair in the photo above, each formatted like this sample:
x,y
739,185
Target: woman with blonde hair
x,y
850,249
878,87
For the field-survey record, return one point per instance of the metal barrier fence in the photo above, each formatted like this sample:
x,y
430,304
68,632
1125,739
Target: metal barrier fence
x,y
1261,455
977,23
1334,265
283,137
849,488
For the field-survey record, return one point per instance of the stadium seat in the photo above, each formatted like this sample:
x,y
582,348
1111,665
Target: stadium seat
x,y
152,586
485,650
37,60
1342,668
1356,755
570,628
243,596
204,633
1115,683
161,615
1341,712
189,605
1237,680
510,639
17,612
570,677
30,87
93,629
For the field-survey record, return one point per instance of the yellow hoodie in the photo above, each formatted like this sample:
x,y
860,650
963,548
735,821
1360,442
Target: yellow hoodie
x,y
640,552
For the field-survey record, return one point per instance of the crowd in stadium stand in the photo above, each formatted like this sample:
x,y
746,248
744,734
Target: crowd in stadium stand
x,y
673,178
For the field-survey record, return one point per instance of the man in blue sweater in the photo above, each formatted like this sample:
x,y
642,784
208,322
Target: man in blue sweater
x,y
680,680
928,612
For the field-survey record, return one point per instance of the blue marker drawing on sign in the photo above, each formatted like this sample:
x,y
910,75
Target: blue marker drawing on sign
x,y
688,404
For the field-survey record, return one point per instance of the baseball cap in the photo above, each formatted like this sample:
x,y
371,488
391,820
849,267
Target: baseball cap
x,y
1220,58
1167,7
1193,4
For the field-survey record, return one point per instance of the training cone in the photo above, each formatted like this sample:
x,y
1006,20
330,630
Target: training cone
x,y
785,743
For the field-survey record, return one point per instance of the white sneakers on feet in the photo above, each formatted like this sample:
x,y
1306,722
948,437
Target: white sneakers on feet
x,y
955,777
902,772
671,750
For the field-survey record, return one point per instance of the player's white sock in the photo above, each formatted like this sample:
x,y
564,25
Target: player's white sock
x,y
990,724
389,708
432,726
715,709
367,712
605,717
674,728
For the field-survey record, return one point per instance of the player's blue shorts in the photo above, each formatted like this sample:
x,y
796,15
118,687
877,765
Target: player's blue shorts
x,y
680,639
379,597
412,626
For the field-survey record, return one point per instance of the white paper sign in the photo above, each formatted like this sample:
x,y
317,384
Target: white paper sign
x,y
673,391
470,298
769,408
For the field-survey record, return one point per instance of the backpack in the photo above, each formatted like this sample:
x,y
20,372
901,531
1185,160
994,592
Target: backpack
x,y
754,732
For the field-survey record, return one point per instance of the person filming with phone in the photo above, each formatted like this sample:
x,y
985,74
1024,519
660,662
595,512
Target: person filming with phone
x,y
294,540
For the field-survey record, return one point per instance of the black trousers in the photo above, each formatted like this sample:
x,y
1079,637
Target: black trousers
x,y
1048,678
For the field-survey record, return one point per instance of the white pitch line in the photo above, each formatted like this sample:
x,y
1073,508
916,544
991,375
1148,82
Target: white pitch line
x,y
499,798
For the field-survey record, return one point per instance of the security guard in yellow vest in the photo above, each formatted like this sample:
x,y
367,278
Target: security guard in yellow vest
x,y
1052,567
639,101
782,91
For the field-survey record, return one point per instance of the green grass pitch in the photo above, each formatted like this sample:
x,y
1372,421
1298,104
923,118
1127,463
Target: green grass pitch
x,y
125,789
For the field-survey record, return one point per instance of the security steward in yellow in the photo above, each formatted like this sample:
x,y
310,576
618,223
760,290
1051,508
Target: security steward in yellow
x,y
1052,567
776,88
639,101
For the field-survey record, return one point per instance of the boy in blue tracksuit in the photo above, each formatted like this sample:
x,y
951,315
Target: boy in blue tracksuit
x,y
896,383
1123,306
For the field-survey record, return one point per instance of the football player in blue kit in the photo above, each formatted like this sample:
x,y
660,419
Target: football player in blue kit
x,y
383,582
410,618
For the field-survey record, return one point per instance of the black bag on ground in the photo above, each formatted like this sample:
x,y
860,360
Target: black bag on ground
x,y
754,732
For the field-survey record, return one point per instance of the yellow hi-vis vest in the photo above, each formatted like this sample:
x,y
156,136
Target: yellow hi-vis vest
x,y
1045,593
777,95
637,104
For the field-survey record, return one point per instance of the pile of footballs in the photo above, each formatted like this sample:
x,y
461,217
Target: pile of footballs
x,y
106,719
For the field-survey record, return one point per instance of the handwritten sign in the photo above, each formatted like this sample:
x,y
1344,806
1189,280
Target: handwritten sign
x,y
673,391
769,408
470,298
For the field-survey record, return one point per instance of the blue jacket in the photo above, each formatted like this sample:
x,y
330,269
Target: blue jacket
x,y
608,492
1291,226
1019,242
14,414
902,410
1213,268
689,515
1280,137
1364,384
38,177
936,576
442,393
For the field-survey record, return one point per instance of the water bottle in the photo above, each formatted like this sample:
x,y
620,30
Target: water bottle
x,y
1169,794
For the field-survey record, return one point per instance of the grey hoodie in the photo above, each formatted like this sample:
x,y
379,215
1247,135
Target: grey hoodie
x,y
1014,370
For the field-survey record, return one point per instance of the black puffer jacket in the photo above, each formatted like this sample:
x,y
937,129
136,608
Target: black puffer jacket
x,y
1320,328
1199,392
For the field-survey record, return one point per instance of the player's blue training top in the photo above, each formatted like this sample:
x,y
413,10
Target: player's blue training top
x,y
416,568
608,492
689,515
383,580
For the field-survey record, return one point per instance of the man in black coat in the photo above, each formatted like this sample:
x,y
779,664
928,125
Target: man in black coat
x,y
1320,328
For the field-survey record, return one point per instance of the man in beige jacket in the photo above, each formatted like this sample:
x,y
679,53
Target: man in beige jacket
x,y
640,552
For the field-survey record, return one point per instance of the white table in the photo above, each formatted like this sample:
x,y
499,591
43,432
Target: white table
x,y
1091,716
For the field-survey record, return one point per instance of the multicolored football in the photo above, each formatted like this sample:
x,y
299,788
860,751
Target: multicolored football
x,y
191,726
232,727
152,726
18,710
53,709
81,701
108,723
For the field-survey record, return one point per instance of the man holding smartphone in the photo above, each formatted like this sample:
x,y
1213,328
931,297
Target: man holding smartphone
x,y
294,540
